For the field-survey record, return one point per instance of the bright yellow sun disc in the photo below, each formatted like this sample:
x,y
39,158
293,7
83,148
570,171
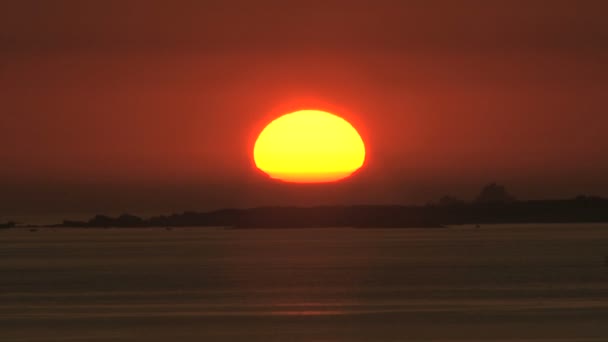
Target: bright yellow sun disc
x,y
309,146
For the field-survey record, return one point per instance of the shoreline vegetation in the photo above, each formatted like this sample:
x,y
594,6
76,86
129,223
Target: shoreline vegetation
x,y
494,205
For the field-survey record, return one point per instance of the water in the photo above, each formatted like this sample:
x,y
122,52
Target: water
x,y
502,283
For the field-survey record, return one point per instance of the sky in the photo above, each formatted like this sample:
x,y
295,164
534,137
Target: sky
x,y
154,106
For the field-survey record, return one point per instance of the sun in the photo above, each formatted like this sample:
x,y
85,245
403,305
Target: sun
x,y
309,146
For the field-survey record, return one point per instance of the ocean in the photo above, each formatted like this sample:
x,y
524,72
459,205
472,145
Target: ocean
x,y
502,283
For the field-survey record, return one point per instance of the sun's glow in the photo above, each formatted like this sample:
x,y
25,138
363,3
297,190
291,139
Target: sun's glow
x,y
309,146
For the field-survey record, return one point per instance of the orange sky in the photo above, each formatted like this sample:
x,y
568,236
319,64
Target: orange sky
x,y
164,101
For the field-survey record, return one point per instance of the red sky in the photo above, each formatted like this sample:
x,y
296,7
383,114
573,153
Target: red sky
x,y
152,106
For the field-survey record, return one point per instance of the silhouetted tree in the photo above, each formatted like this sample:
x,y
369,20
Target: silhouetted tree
x,y
128,220
101,221
448,201
494,193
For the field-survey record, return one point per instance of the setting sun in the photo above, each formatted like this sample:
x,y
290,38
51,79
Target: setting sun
x,y
309,146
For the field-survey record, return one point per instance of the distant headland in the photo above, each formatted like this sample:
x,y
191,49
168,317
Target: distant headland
x,y
493,205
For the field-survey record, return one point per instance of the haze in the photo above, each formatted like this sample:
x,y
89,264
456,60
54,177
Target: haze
x,y
153,106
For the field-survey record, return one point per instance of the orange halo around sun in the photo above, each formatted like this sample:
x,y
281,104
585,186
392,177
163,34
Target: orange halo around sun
x,y
309,146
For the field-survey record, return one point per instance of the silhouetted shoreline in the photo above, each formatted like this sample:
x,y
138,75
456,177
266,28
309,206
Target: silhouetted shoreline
x,y
493,205
578,210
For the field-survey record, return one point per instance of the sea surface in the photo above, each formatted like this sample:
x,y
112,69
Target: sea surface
x,y
507,283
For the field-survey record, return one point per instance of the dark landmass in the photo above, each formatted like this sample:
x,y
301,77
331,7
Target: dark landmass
x,y
276,217
7,225
493,205
581,209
